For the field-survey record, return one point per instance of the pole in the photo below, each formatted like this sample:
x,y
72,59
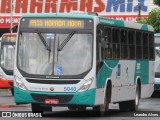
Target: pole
x,y
56,6
11,18
139,10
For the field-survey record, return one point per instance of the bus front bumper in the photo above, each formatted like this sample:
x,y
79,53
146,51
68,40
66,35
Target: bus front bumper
x,y
5,84
77,98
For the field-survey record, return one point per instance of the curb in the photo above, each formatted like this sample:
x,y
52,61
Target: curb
x,y
4,90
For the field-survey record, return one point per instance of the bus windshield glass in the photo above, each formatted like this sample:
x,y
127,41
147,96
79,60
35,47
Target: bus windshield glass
x,y
7,56
157,54
55,53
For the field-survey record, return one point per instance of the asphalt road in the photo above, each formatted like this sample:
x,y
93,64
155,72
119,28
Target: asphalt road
x,y
150,106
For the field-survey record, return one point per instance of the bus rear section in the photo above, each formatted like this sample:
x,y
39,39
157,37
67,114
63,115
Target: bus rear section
x,y
7,60
157,65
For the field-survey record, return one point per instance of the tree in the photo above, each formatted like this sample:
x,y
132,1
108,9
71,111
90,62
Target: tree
x,y
156,2
153,19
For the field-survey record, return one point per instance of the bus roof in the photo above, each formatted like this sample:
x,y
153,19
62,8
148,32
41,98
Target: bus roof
x,y
157,35
103,20
9,34
61,15
120,23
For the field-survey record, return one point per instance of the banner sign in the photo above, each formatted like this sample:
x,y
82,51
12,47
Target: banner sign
x,y
5,21
113,8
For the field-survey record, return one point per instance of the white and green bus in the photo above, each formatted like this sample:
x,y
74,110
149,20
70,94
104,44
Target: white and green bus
x,y
82,60
157,64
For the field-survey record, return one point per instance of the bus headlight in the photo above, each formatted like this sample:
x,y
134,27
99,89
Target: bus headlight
x,y
86,86
19,83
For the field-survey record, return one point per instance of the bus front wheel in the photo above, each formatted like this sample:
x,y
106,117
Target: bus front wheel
x,y
37,108
101,109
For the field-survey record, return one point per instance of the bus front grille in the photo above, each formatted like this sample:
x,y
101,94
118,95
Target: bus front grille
x,y
44,81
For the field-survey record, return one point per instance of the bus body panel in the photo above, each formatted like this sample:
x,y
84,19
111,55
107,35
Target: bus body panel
x,y
123,75
84,98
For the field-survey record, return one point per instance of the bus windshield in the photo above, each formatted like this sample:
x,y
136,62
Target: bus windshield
x,y
157,54
7,57
39,53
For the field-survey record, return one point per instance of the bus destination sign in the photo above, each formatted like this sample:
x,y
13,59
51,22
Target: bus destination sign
x,y
56,23
8,38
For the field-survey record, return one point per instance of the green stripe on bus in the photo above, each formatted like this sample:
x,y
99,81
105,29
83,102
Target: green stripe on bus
x,y
79,98
142,71
144,27
105,72
111,22
157,35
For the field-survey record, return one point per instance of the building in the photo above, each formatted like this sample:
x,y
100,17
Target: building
x,y
118,9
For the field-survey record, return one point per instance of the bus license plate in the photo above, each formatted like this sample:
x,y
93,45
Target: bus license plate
x,y
51,101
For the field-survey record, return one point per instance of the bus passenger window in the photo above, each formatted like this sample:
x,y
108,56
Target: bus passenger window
x,y
108,51
115,34
124,52
124,48
131,44
123,37
151,47
145,45
138,38
131,37
139,45
107,35
116,51
145,52
145,39
138,52
131,51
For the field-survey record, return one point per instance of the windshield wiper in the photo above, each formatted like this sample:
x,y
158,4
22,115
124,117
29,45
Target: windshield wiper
x,y
43,41
60,48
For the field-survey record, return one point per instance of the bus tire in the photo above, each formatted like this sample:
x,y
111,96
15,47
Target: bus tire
x,y
101,109
81,108
37,108
72,107
131,105
135,103
12,91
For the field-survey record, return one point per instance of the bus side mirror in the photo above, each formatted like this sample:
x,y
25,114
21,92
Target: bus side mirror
x,y
103,42
101,38
14,29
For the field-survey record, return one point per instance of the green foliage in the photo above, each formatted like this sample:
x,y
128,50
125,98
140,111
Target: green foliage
x,y
153,19
156,2
142,20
